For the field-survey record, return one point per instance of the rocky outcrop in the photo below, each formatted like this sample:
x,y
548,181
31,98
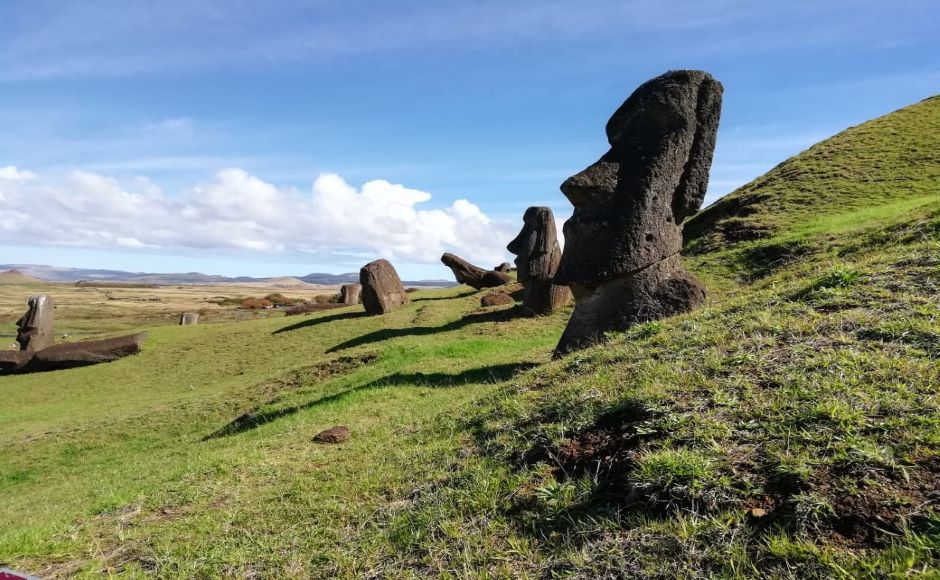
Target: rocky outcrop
x,y
382,290
537,257
622,243
34,329
189,319
504,267
473,276
349,294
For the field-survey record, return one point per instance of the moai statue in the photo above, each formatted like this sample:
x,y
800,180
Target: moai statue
x,y
35,327
382,290
473,276
622,244
189,318
537,257
349,294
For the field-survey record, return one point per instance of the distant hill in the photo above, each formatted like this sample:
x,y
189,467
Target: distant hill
x,y
42,273
11,277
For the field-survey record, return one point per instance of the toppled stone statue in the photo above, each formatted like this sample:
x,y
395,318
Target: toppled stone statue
x,y
34,329
382,290
189,318
504,267
41,355
474,276
537,257
349,294
622,244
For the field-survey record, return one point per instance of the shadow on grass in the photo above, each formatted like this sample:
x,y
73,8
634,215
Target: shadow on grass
x,y
390,333
258,417
454,297
320,320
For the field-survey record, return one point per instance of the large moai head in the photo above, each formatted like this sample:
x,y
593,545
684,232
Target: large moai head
x,y
536,247
34,329
630,204
382,290
537,257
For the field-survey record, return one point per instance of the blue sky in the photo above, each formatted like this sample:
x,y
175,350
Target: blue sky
x,y
279,138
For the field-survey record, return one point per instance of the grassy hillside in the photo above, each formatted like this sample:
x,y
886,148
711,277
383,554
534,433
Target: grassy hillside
x,y
788,429
890,161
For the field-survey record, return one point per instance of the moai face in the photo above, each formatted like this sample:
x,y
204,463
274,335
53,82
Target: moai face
x,y
536,247
630,204
34,329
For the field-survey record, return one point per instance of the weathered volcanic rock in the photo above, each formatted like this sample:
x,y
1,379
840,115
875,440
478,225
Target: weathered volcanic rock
x,y
474,276
34,329
496,299
622,243
537,257
349,294
382,290
189,318
504,267
336,434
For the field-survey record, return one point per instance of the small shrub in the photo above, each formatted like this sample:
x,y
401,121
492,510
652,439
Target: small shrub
x,y
254,303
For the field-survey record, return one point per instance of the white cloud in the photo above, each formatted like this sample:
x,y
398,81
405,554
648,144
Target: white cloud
x,y
11,173
239,211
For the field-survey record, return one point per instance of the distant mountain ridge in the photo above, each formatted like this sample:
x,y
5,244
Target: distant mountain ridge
x,y
61,274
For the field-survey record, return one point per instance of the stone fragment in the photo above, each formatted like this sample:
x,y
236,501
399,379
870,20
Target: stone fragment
x,y
334,435
621,256
382,290
473,276
349,294
34,329
189,318
537,257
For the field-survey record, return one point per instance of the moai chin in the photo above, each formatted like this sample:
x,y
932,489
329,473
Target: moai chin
x,y
622,244
537,257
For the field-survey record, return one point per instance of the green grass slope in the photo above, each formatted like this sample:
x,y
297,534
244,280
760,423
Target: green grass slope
x,y
893,160
788,429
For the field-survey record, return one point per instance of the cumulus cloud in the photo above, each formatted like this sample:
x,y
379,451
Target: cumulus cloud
x,y
11,173
239,211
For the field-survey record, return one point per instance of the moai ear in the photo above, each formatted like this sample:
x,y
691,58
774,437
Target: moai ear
x,y
693,184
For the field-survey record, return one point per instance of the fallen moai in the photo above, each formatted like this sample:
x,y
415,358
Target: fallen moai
x,y
382,290
37,323
537,257
189,318
349,294
473,276
621,256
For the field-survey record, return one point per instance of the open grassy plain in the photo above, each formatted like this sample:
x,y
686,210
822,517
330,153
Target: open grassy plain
x,y
789,429
95,311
